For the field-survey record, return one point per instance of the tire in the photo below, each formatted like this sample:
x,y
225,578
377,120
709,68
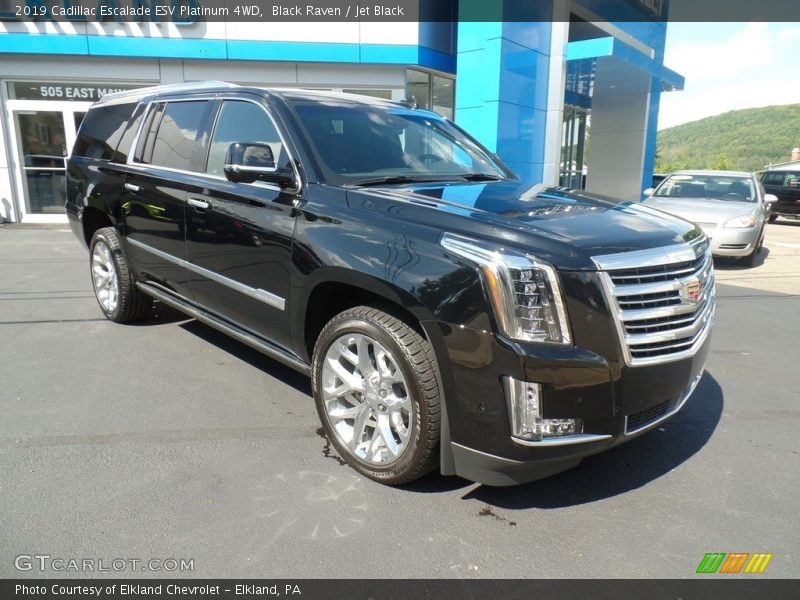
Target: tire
x,y
112,279
374,379
750,259
772,218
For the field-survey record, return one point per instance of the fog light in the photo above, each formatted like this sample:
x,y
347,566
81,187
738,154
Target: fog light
x,y
525,413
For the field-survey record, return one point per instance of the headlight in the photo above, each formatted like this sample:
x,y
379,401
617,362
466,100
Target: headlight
x,y
523,290
740,222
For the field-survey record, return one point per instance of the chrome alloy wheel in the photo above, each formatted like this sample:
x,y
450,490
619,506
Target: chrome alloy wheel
x,y
104,277
366,399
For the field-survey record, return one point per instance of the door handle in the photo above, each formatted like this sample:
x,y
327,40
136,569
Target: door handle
x,y
132,187
199,204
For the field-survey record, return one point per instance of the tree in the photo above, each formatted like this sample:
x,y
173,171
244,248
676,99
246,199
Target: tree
x,y
721,163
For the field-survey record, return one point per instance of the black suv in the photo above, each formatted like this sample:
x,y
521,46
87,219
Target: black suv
x,y
785,185
447,313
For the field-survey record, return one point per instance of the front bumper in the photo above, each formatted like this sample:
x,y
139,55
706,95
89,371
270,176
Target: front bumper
x,y
616,403
732,242
593,380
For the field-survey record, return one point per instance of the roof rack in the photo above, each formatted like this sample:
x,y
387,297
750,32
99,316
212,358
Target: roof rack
x,y
163,89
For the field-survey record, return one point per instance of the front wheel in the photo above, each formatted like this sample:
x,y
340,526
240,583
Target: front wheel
x,y
751,259
377,394
112,279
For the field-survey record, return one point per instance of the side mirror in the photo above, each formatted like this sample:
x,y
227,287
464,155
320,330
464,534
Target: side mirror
x,y
246,163
649,191
770,198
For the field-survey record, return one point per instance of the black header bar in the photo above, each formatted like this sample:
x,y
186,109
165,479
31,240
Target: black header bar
x,y
340,11
705,587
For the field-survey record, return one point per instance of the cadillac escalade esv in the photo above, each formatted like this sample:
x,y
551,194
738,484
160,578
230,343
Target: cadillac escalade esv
x,y
449,315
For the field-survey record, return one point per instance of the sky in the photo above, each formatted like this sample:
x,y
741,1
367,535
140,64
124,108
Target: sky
x,y
730,66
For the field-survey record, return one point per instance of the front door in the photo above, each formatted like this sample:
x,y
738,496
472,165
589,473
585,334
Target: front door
x,y
239,235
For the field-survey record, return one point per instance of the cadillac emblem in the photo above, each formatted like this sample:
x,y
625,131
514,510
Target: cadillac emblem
x,y
691,291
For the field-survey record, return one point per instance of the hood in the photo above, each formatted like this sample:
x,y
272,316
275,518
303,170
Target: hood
x,y
563,227
701,210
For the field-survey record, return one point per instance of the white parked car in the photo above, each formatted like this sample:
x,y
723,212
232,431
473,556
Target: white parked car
x,y
730,206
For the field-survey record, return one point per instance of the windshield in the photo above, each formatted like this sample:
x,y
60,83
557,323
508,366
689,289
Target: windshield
x,y
359,144
718,187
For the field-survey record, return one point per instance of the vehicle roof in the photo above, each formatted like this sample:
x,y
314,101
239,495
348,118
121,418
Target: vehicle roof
x,y
713,172
139,94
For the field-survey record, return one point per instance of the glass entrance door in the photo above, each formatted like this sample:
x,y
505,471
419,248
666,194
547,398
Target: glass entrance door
x,y
42,145
573,148
44,134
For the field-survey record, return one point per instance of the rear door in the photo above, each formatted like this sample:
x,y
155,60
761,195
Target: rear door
x,y
168,157
239,235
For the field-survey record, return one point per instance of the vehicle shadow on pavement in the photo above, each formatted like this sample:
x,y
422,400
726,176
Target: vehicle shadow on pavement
x,y
253,357
624,468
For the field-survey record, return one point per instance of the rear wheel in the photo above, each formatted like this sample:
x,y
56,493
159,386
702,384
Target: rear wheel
x,y
377,394
112,279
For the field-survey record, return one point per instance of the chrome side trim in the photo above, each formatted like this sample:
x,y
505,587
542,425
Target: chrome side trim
x,y
271,350
689,391
564,440
257,293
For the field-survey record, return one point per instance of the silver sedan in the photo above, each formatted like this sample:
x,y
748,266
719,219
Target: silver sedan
x,y
730,206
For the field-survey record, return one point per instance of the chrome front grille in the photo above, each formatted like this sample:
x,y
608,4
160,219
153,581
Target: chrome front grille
x,y
663,300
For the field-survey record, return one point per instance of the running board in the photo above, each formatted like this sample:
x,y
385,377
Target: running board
x,y
240,334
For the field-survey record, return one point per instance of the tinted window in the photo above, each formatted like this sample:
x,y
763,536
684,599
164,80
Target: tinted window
x,y
243,122
773,178
176,139
126,141
101,131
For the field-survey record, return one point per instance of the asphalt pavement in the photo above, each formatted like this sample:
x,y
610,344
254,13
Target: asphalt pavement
x,y
167,440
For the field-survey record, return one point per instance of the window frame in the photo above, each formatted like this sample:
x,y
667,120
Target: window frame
x,y
152,104
212,129
197,152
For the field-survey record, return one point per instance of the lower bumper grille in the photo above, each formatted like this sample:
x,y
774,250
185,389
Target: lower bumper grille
x,y
642,419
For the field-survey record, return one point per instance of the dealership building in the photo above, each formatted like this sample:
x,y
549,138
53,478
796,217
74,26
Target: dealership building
x,y
565,95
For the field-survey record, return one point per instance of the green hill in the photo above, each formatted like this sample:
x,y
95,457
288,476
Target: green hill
x,y
746,140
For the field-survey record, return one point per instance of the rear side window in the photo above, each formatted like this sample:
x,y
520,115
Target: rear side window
x,y
774,178
101,131
125,146
176,145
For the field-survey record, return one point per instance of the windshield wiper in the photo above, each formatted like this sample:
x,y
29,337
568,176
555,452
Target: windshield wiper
x,y
481,177
389,179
